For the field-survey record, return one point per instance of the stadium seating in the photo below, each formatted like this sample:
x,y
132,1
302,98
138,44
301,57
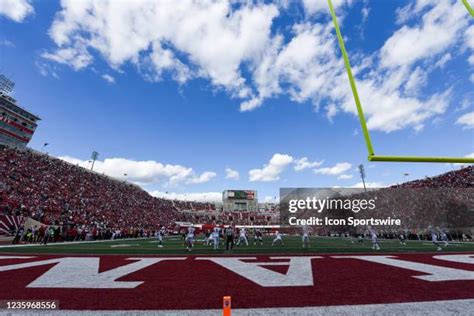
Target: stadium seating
x,y
55,192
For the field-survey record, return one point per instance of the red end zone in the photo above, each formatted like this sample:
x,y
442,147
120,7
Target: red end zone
x,y
200,282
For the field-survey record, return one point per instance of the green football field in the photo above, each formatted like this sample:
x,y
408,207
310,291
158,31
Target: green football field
x,y
292,244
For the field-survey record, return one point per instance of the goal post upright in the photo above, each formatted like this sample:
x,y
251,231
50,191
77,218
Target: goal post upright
x,y
468,7
347,63
360,112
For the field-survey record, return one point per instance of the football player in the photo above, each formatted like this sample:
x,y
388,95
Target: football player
x,y
190,238
278,238
215,237
401,239
242,237
207,238
306,237
375,242
159,236
257,236
444,238
434,239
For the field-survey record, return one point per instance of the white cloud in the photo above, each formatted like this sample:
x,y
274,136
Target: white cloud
x,y
77,57
365,13
231,174
368,185
16,10
466,102
331,111
144,172
404,13
306,64
46,69
311,69
6,43
443,60
213,37
199,197
462,165
415,81
467,120
469,42
272,170
321,6
271,199
389,110
108,78
440,28
202,178
345,176
337,169
304,163
469,37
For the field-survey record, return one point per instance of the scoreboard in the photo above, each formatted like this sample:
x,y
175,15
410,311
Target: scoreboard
x,y
241,195
240,200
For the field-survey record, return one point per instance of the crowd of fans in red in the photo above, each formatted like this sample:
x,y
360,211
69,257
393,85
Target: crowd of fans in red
x,y
55,192
444,204
462,178
238,217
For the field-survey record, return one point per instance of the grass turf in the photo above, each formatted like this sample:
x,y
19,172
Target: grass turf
x,y
292,244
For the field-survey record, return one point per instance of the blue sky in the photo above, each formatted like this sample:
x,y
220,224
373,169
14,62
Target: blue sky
x,y
201,97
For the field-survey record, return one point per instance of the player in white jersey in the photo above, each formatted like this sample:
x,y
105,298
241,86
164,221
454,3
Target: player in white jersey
x,y
159,236
215,237
242,237
278,238
375,242
444,238
434,239
306,237
190,238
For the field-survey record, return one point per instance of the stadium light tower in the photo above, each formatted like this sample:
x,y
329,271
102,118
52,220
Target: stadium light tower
x,y
362,175
405,175
6,85
44,146
94,157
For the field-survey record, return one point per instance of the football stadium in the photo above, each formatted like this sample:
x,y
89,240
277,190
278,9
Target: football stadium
x,y
217,157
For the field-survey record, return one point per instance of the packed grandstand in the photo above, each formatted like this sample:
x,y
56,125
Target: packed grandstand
x,y
82,204
55,192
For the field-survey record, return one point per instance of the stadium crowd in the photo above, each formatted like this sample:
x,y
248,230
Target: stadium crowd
x,y
72,203
58,193
462,178
444,204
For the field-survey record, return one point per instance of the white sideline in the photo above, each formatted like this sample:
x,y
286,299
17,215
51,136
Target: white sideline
x,y
73,242
441,308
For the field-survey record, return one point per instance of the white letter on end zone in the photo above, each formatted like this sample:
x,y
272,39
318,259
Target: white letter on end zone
x,y
434,273
300,272
83,273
